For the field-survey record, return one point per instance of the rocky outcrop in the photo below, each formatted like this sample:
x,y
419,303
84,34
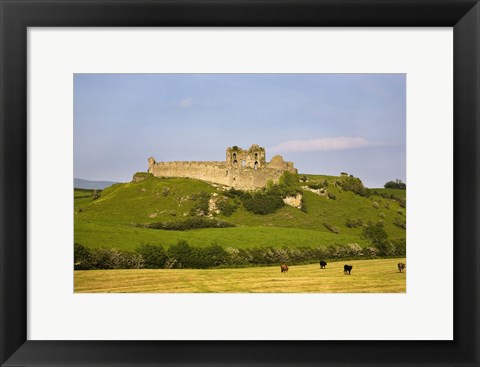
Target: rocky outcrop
x,y
295,201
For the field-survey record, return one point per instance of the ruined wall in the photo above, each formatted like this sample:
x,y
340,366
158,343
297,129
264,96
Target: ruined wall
x,y
279,164
217,172
243,169
207,171
248,178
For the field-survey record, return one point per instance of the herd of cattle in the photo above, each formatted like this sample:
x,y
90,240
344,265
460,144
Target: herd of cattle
x,y
347,269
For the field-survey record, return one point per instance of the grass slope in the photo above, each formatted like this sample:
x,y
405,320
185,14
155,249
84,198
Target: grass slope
x,y
368,276
127,238
397,192
109,221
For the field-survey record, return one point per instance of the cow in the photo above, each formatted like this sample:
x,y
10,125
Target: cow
x,y
401,267
347,269
283,268
322,264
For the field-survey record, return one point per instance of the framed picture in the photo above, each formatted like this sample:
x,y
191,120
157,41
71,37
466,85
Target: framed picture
x,y
265,43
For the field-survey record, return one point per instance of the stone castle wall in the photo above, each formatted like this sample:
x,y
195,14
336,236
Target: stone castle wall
x,y
243,169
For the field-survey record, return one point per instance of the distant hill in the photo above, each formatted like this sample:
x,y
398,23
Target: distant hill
x,y
79,183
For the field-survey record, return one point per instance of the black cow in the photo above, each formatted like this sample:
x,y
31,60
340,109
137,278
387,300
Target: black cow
x,y
283,268
322,264
401,267
347,269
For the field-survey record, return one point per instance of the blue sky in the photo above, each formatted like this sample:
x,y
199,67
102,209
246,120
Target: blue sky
x,y
324,123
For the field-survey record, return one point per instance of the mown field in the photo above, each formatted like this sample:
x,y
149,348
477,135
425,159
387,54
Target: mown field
x,y
368,276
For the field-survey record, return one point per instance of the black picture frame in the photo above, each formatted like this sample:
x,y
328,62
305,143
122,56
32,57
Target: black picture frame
x,y
17,15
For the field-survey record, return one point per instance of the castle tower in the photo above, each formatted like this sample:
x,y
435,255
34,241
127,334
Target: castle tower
x,y
254,157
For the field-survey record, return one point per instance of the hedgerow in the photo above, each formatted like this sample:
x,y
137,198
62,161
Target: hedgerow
x,y
183,255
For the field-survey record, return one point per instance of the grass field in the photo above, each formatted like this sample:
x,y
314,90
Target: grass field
x,y
128,238
368,276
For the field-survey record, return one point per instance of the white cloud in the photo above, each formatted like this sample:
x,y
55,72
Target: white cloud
x,y
322,144
187,102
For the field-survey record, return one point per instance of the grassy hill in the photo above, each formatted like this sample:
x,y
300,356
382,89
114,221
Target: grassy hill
x,y
117,218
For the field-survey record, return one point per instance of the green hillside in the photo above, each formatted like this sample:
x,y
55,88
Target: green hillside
x,y
118,217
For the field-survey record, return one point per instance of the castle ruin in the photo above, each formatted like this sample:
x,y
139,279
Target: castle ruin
x,y
242,169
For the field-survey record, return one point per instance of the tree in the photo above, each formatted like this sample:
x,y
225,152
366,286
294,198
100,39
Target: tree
x,y
82,257
183,253
154,256
288,179
377,235
397,184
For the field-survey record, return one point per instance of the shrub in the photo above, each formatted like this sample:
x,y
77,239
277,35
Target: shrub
x,y
82,257
282,191
371,251
331,196
95,194
189,223
402,202
337,251
226,208
375,233
400,223
201,204
154,256
398,247
214,255
354,249
340,251
181,254
237,256
288,179
132,260
331,227
109,258
203,257
275,255
353,223
303,206
261,203
234,193
376,205
105,258
355,185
